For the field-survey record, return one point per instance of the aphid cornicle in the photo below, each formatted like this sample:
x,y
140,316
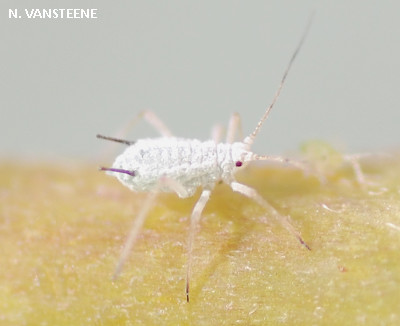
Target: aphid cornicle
x,y
170,164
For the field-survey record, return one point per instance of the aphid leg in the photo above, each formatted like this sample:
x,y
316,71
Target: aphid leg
x,y
354,161
234,127
217,133
149,117
355,164
156,122
194,220
174,185
252,194
138,223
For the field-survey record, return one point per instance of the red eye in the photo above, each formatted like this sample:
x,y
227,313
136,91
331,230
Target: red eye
x,y
238,163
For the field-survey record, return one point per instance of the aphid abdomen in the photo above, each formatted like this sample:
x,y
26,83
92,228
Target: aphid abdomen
x,y
195,164
189,162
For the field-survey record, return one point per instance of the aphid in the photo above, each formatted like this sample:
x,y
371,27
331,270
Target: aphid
x,y
170,164
326,161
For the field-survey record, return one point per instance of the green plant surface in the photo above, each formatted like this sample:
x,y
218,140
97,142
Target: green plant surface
x,y
63,226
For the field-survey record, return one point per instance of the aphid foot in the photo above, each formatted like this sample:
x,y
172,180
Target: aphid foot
x,y
304,243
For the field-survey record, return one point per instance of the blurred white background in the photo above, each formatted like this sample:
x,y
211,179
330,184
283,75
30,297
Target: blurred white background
x,y
194,63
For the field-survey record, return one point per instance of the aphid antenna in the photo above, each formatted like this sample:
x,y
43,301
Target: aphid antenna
x,y
249,140
117,140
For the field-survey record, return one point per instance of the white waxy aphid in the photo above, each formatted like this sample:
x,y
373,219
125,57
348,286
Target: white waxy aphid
x,y
179,165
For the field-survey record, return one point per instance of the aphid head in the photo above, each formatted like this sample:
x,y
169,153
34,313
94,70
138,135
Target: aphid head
x,y
240,155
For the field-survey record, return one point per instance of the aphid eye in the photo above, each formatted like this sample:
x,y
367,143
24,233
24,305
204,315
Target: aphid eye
x,y
239,163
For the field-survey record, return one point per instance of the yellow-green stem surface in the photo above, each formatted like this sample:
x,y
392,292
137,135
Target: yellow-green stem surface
x,y
63,226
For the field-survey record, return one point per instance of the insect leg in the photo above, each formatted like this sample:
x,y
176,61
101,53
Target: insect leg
x,y
353,160
174,185
147,115
217,133
253,194
152,119
156,122
137,225
194,220
234,127
357,170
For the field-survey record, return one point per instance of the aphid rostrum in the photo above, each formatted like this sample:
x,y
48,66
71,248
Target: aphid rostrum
x,y
179,165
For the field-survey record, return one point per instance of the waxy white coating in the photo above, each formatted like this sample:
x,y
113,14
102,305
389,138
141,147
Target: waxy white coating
x,y
190,162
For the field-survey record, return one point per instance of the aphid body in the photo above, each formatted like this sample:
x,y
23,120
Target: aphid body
x,y
180,165
190,162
